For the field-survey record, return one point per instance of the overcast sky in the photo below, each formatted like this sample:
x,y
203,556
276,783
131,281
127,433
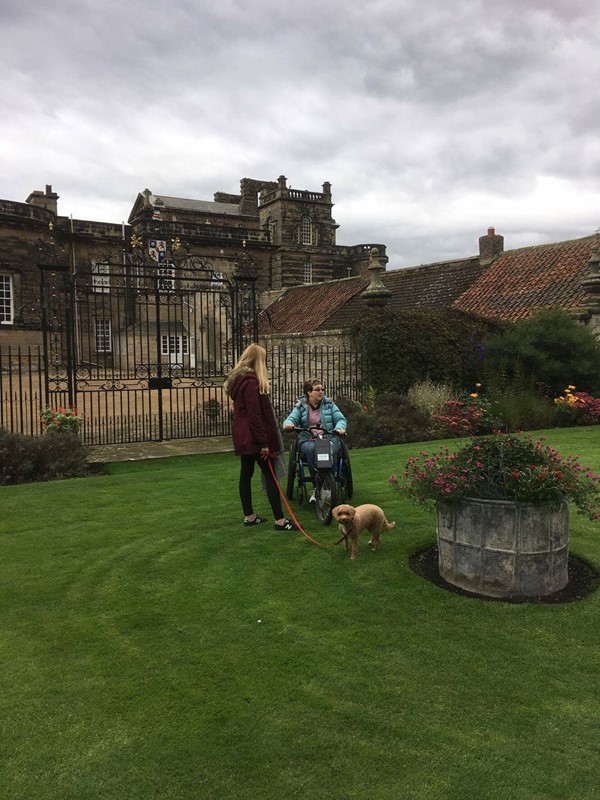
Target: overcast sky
x,y
432,119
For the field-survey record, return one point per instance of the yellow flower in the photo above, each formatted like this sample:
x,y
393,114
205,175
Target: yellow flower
x,y
474,394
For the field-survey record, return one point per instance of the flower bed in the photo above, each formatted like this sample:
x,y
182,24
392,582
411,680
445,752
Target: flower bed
x,y
62,420
577,408
502,467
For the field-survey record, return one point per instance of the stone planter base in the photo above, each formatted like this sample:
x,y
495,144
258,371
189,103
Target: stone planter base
x,y
500,547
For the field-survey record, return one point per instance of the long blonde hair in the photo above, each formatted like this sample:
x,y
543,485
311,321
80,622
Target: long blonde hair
x,y
254,357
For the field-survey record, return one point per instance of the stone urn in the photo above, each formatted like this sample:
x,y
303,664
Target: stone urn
x,y
500,548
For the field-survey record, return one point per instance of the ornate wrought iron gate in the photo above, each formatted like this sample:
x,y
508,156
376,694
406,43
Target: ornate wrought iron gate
x,y
140,342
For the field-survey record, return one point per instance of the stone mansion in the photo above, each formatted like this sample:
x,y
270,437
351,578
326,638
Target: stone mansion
x,y
288,236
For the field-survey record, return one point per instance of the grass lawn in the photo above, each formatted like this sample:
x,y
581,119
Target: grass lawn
x,y
154,648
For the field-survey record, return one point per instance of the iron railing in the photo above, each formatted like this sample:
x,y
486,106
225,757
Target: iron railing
x,y
22,389
188,409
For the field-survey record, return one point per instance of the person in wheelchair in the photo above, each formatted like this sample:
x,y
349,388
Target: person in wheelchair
x,y
313,412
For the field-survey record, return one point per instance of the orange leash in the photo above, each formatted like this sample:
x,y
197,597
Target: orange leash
x,y
291,513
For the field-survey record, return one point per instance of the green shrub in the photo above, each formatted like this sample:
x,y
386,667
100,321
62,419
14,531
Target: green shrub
x,y
389,419
17,458
523,409
62,420
550,348
518,400
24,459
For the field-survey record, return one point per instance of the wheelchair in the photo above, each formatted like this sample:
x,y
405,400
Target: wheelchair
x,y
333,481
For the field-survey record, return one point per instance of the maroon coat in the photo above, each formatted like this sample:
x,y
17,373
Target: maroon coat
x,y
254,425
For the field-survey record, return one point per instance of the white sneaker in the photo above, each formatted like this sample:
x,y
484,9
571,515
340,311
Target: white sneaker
x,y
312,498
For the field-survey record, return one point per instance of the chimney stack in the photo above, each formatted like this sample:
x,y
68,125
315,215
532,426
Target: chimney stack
x,y
490,246
47,199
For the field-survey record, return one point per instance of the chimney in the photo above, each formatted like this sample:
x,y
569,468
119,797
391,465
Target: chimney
x,y
47,199
249,189
490,246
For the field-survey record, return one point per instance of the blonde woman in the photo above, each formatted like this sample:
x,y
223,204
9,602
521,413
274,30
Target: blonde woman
x,y
255,433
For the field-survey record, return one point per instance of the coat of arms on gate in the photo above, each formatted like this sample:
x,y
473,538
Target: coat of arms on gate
x,y
157,249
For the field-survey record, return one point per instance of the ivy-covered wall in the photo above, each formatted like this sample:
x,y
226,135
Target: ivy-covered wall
x,y
445,346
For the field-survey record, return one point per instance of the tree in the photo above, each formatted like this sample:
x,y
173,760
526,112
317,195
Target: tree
x,y
551,348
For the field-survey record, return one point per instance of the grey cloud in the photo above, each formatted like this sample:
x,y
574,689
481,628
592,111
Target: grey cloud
x,y
423,116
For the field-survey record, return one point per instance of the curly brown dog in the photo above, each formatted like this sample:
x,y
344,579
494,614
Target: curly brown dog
x,y
362,518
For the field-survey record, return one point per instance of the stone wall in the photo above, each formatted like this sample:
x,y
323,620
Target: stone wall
x,y
329,357
22,339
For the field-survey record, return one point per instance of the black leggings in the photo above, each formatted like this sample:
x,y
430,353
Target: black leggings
x,y
246,472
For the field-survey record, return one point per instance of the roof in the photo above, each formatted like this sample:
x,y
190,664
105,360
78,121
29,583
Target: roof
x,y
334,304
509,288
202,206
306,308
431,286
520,281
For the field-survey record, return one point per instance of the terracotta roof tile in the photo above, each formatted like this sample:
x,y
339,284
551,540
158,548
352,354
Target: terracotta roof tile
x,y
430,286
530,278
303,309
516,283
332,305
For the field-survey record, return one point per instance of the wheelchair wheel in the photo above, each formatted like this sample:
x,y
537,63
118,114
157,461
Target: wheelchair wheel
x,y
325,497
346,478
302,496
292,469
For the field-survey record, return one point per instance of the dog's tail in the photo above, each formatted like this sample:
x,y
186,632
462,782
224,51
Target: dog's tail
x,y
388,525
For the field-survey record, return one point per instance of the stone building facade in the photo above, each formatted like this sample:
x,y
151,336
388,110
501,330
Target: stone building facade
x,y
284,236
289,234
32,233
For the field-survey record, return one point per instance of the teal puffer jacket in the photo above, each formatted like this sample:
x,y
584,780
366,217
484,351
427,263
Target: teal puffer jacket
x,y
331,417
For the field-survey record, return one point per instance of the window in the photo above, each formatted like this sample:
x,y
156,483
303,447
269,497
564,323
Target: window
x,y
100,277
308,272
216,281
166,277
6,300
174,345
103,336
306,230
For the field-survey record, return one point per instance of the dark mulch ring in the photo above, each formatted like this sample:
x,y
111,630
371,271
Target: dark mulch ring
x,y
583,580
